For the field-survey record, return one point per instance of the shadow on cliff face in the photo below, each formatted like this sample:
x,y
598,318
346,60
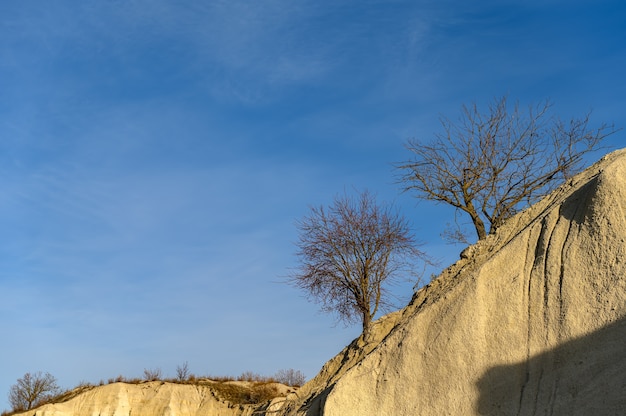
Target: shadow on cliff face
x,y
585,376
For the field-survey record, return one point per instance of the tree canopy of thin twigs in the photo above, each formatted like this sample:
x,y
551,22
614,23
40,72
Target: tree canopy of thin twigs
x,y
290,377
32,390
490,164
182,372
350,253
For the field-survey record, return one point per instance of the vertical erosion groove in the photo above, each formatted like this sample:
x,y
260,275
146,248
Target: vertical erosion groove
x,y
529,263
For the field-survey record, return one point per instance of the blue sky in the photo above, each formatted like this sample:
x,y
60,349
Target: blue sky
x,y
156,154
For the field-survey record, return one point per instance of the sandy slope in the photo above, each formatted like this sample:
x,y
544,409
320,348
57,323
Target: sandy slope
x,y
155,398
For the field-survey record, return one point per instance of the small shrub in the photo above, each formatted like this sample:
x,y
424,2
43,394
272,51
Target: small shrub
x,y
152,375
255,377
249,376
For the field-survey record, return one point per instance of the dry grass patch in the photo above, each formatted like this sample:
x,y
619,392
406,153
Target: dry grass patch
x,y
246,392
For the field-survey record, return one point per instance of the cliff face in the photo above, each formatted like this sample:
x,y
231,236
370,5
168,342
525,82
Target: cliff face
x,y
149,399
532,322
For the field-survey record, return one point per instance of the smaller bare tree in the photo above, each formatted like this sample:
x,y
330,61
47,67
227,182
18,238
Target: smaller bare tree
x,y
349,255
32,390
182,372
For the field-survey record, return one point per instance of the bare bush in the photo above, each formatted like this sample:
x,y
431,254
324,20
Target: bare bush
x,y
290,377
152,375
252,376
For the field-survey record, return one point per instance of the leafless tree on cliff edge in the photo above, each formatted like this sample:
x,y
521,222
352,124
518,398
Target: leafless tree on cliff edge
x,y
489,165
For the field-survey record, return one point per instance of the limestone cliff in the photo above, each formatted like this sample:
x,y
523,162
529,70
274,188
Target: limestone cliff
x,y
530,322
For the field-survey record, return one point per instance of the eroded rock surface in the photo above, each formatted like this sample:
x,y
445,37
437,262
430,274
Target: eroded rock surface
x,y
532,323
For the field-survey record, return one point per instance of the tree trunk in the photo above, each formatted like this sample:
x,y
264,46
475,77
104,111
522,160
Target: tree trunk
x,y
479,225
367,324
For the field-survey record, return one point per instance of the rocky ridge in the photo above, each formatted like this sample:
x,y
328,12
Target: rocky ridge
x,y
530,321
157,398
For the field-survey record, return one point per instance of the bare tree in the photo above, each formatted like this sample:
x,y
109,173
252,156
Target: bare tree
x,y
32,390
182,372
290,377
491,164
349,254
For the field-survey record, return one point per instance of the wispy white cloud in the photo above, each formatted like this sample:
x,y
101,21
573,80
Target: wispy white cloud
x,y
241,52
